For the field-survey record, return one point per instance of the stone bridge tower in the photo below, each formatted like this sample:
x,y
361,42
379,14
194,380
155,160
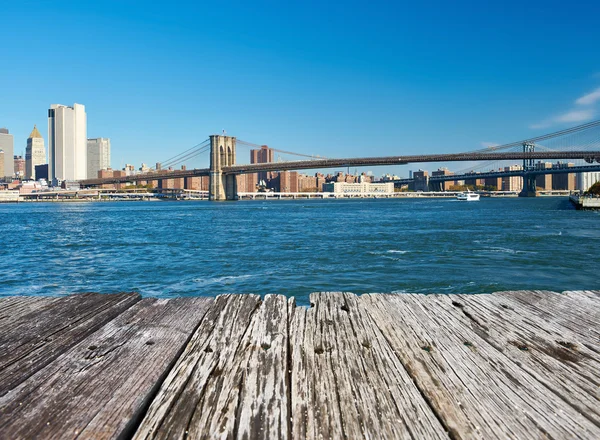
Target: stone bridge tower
x,y
222,154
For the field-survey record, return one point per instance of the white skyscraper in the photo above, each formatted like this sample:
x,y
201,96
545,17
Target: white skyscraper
x,y
67,142
98,156
35,154
7,144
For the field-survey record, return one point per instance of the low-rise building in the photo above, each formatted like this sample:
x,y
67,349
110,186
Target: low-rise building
x,y
359,188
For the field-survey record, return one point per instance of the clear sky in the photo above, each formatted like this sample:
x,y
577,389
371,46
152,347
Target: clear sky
x,y
339,79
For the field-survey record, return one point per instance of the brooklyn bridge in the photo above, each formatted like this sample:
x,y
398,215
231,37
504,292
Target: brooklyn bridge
x,y
580,143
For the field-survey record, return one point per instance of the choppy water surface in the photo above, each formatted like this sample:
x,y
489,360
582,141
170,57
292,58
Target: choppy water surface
x,y
168,249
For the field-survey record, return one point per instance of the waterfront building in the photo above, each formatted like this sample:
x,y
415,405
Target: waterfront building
x,y
385,178
421,180
98,155
586,180
474,181
321,180
263,155
288,181
494,182
444,172
512,183
41,172
1,164
7,145
19,164
543,181
359,188
307,183
565,181
247,182
179,183
35,153
67,142
198,183
129,169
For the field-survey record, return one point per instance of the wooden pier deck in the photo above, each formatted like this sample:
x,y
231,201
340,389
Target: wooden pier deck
x,y
520,364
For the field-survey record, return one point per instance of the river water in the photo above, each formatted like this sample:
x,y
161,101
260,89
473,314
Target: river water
x,y
169,249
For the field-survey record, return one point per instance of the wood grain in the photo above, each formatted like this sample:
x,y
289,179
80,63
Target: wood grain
x,y
474,388
551,353
581,316
40,336
346,380
520,364
13,308
101,387
200,395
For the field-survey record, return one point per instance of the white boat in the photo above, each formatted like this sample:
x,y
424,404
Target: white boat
x,y
468,196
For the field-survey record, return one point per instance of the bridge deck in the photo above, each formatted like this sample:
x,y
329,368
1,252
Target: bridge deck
x,y
508,365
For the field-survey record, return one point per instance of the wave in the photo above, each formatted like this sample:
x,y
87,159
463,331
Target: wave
x,y
220,280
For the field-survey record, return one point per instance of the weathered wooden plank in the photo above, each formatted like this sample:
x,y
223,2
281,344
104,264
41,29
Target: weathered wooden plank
x,y
264,391
593,295
41,336
474,388
582,317
13,308
346,381
200,396
101,387
550,353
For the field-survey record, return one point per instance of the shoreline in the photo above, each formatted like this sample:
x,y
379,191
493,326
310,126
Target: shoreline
x,y
55,198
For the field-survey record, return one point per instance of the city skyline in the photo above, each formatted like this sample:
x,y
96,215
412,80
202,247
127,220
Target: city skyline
x,y
312,78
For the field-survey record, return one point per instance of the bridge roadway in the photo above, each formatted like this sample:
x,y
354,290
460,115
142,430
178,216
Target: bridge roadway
x,y
492,174
349,162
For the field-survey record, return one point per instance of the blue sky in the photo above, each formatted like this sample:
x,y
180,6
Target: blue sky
x,y
347,79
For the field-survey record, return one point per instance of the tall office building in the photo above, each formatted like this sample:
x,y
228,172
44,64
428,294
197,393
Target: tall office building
x,y
7,145
98,156
35,154
67,142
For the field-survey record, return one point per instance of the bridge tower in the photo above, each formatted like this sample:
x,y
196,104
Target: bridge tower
x,y
529,188
222,154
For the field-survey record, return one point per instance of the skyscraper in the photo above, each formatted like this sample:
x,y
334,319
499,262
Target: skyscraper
x,y
35,154
98,156
67,142
264,155
7,144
